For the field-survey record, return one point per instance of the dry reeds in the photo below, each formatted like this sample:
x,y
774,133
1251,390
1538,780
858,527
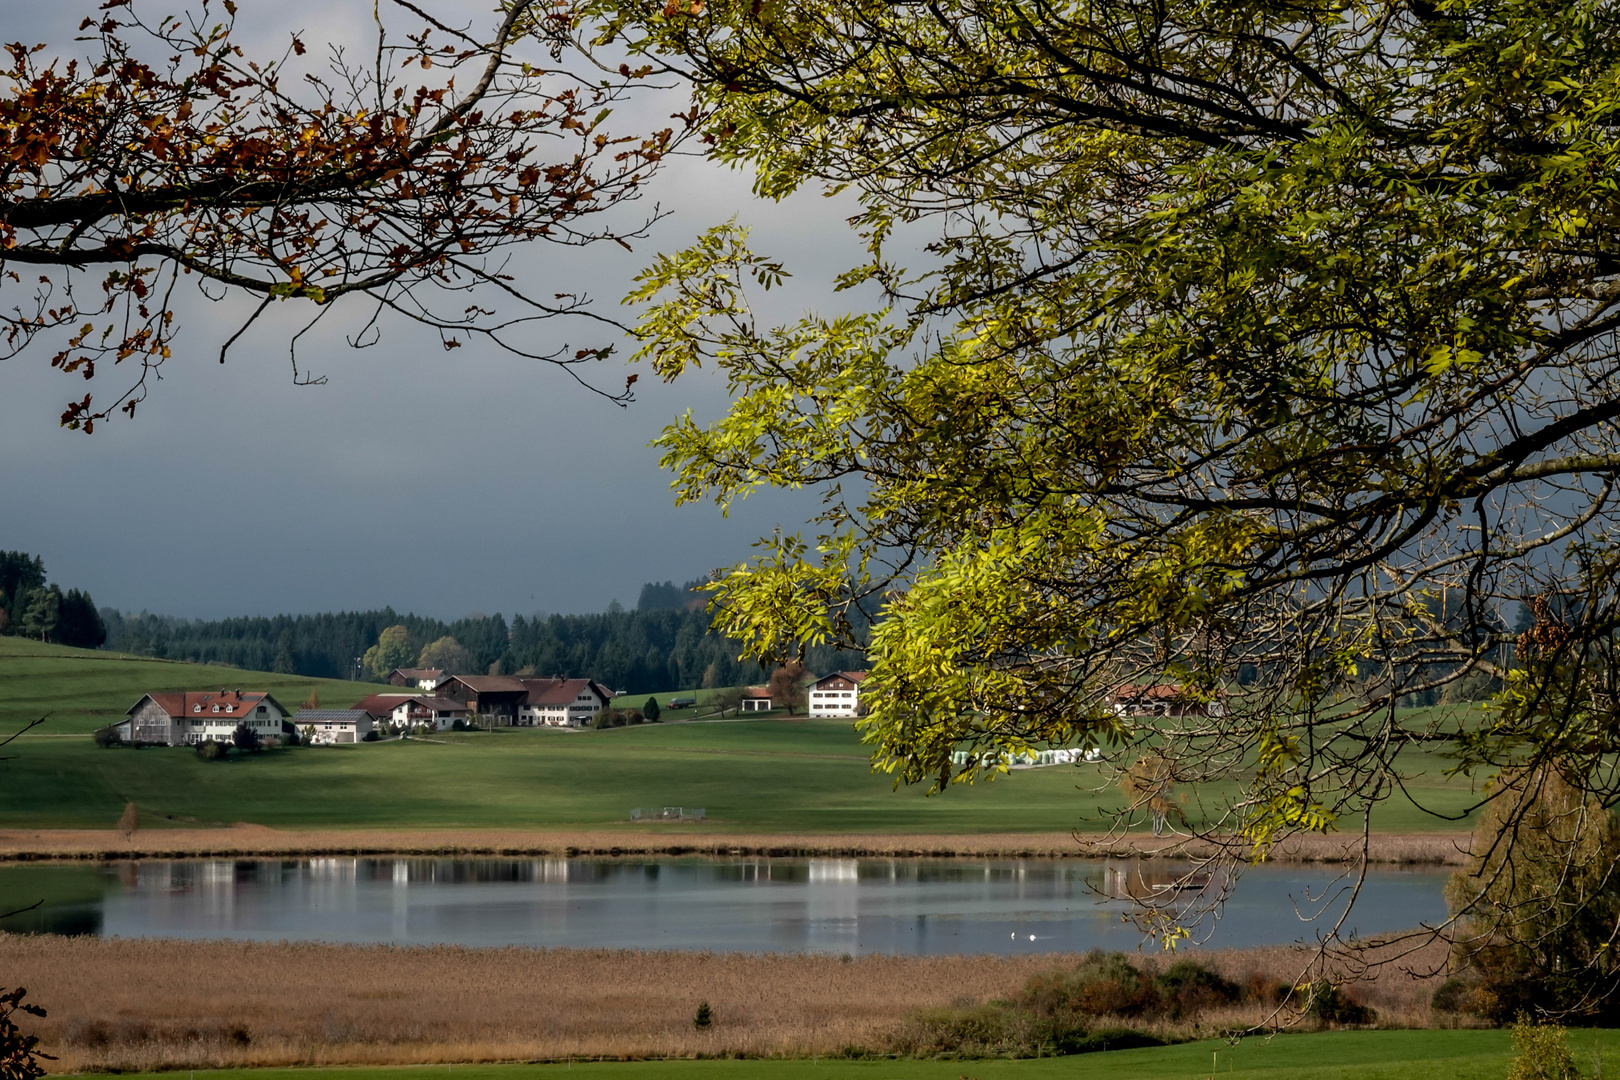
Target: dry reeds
x,y
142,1004
150,1004
258,840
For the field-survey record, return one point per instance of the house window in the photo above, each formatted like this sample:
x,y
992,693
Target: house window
x,y
262,710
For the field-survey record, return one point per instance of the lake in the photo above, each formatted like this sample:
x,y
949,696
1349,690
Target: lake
x,y
905,906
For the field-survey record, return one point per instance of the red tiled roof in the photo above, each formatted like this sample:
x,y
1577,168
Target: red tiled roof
x,y
192,703
490,684
1156,692
756,691
383,704
852,676
560,691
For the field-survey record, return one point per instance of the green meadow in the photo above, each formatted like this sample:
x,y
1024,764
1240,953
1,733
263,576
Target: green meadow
x,y
756,775
1341,1055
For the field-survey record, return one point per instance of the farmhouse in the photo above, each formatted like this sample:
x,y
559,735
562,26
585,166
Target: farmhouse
x,y
423,678
413,710
838,694
1164,699
493,699
331,726
510,701
182,718
560,702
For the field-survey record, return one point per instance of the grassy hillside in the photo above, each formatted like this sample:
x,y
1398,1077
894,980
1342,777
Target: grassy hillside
x,y
82,689
772,775
1340,1055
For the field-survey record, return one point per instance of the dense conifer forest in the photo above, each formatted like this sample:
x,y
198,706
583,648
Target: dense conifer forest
x,y
664,644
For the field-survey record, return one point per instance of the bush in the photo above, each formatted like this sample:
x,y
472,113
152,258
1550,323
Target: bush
x,y
993,1030
1000,1030
651,710
245,738
19,1053
1454,996
458,724
1105,984
1188,988
1543,1054
703,1017
371,736
1328,1002
1056,1012
108,736
212,751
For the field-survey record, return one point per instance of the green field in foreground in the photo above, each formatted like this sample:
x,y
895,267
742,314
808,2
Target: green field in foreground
x,y
773,775
1339,1055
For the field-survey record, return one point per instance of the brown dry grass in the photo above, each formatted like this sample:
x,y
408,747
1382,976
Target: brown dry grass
x,y
143,1004
249,840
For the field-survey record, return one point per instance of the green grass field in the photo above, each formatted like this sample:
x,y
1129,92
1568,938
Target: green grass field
x,y
83,689
768,775
1340,1055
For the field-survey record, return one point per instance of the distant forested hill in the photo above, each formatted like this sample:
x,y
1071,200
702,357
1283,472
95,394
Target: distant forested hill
x,y
665,644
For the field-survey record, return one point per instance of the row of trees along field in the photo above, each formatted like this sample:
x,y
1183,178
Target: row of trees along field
x,y
665,643
32,608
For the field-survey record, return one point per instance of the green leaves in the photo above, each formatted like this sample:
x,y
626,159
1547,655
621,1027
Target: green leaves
x,y
1261,357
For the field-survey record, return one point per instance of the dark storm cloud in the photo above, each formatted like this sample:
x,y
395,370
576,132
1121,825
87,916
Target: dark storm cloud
x,y
440,482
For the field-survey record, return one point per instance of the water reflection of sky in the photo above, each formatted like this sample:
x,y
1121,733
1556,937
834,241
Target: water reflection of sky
x,y
914,906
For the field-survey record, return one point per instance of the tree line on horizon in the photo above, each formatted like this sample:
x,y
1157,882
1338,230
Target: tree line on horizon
x,y
31,607
665,643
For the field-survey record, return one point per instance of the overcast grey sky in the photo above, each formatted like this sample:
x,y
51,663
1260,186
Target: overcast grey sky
x,y
438,482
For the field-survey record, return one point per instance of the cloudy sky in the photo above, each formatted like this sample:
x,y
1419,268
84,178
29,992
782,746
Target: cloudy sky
x,y
438,482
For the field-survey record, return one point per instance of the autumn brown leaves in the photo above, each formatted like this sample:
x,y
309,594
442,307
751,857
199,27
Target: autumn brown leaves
x,y
174,153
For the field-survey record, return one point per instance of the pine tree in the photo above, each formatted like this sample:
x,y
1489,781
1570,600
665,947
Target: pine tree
x,y
42,613
80,625
285,662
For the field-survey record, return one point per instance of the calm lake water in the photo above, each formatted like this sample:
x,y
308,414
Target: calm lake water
x,y
912,906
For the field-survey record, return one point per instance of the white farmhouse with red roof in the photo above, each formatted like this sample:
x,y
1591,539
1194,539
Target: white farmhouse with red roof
x,y
407,711
1166,699
186,717
559,702
838,694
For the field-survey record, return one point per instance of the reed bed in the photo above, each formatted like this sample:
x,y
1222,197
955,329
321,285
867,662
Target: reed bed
x,y
118,1004
257,840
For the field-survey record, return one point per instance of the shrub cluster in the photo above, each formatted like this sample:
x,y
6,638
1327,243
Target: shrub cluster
x,y
1500,997
1328,1003
1091,1008
607,718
